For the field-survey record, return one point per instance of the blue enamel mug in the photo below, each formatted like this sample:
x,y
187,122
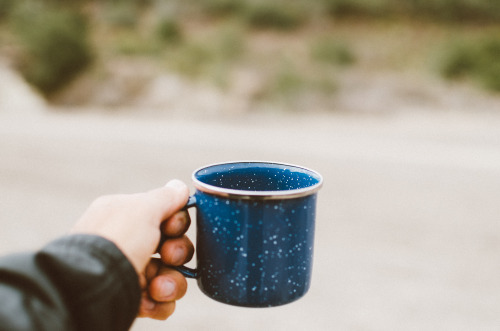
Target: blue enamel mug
x,y
255,232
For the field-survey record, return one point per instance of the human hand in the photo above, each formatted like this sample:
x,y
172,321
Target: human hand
x,y
161,285
134,223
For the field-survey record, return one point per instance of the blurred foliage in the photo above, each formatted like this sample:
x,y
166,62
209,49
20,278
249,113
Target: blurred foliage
x,y
208,38
212,57
169,30
295,87
432,10
134,44
221,8
260,14
356,8
475,59
54,43
192,59
122,13
277,14
453,10
6,7
332,51
288,80
298,10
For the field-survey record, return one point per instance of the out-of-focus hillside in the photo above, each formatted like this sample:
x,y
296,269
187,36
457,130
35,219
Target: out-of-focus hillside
x,y
255,55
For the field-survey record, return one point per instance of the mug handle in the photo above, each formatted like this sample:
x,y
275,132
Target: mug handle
x,y
185,271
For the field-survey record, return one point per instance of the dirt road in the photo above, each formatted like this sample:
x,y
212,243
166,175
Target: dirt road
x,y
408,231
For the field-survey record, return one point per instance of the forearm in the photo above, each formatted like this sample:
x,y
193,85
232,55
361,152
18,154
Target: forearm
x,y
78,282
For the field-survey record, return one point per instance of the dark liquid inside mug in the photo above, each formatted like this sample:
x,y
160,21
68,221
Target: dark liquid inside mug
x,y
255,232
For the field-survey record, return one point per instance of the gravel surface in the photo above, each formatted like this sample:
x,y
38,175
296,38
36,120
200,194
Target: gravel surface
x,y
408,231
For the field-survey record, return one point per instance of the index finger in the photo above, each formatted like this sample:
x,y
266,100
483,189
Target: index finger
x,y
169,199
176,225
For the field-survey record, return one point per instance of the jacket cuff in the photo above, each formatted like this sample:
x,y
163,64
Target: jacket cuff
x,y
98,283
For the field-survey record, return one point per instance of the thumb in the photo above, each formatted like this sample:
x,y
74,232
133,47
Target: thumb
x,y
169,199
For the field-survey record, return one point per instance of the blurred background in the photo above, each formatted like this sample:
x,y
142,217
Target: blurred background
x,y
396,103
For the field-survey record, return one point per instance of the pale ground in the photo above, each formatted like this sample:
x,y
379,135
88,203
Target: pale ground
x,y
408,226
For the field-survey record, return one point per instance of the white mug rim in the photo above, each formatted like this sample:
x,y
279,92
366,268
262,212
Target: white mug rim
x,y
257,195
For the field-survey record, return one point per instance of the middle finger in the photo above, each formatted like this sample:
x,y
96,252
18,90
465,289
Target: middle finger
x,y
176,225
177,251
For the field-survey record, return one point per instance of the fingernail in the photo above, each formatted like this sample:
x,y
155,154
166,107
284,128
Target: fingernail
x,y
167,288
177,184
178,256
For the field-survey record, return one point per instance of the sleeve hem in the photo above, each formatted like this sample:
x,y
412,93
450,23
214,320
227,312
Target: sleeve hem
x,y
95,278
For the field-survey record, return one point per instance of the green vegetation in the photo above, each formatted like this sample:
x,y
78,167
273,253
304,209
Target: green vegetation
x,y
6,8
210,57
432,10
279,15
54,45
134,44
357,8
454,10
169,30
221,8
259,14
474,59
287,81
211,39
123,14
333,52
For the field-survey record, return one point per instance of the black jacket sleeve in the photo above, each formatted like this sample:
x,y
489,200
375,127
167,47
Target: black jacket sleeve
x,y
78,282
